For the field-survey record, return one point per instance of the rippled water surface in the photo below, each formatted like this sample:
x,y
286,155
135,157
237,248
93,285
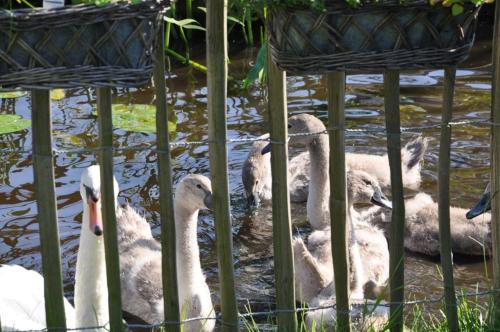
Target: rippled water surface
x,y
75,126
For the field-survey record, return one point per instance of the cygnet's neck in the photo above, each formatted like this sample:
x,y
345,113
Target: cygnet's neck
x,y
319,186
91,290
189,270
357,271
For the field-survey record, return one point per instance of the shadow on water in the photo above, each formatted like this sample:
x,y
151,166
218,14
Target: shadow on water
x,y
75,126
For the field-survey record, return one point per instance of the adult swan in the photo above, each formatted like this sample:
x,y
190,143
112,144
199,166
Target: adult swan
x,y
22,305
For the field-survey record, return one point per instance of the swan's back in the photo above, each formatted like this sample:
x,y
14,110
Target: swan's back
x,y
22,303
140,265
131,226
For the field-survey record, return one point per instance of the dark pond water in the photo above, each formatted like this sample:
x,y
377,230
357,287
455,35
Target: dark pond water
x,y
75,126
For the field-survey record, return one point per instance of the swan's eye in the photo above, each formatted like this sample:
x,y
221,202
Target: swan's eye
x,y
367,182
198,186
289,126
256,182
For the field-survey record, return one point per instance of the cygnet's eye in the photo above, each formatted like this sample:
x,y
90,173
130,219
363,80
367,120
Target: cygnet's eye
x,y
198,186
289,126
367,182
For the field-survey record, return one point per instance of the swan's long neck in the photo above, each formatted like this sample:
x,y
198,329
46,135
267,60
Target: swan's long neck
x,y
318,208
319,186
357,271
91,290
189,272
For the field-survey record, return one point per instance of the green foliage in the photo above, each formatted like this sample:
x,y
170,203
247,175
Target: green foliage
x,y
57,94
137,118
259,69
12,94
10,123
474,315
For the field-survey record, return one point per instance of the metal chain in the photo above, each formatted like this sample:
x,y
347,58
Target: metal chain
x,y
152,147
278,311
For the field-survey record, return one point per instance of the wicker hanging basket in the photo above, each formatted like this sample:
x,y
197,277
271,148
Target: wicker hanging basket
x,y
81,45
370,38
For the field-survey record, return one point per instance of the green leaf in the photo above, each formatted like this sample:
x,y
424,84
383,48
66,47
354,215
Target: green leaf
x,y
137,118
57,94
457,9
229,18
194,27
10,123
258,69
181,23
12,94
235,20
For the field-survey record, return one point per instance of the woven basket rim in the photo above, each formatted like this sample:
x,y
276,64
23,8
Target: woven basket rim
x,y
33,13
341,5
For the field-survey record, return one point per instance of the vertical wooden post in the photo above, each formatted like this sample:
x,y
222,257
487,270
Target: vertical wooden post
x,y
217,94
43,168
444,200
396,263
108,208
495,167
338,195
168,254
282,232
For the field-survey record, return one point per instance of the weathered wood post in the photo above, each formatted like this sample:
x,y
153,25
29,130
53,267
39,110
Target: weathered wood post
x,y
217,127
282,229
108,208
338,196
167,219
444,200
396,248
495,167
43,171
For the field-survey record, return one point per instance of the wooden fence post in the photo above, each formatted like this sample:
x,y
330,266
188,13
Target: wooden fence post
x,y
495,167
43,170
338,195
168,253
108,208
396,248
217,127
444,200
282,230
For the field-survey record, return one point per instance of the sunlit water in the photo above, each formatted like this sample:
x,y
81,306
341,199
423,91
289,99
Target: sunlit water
x,y
75,126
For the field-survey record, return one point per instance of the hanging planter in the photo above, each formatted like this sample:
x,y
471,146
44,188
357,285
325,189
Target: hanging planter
x,y
375,36
81,45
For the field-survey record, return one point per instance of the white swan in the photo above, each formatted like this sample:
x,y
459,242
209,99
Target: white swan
x,y
256,171
22,304
468,237
140,260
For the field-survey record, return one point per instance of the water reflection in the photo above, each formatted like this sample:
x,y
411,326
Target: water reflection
x,y
75,126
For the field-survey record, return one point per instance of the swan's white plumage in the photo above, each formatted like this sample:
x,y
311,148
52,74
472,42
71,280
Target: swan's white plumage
x,y
22,305
22,291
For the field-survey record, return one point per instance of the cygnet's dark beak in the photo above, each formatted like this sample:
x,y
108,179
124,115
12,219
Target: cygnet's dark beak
x,y
379,199
266,149
483,206
208,200
253,200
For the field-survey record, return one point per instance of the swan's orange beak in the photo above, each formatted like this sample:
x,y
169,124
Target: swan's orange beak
x,y
95,216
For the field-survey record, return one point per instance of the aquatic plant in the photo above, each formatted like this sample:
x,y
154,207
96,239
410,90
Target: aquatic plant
x,y
10,123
